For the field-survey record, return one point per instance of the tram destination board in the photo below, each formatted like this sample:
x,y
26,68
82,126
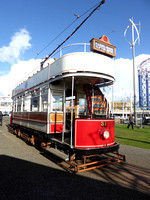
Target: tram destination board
x,y
103,46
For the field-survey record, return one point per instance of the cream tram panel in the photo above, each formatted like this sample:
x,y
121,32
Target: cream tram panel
x,y
82,61
73,62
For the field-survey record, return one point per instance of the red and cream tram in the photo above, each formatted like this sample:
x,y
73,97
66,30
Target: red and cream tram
x,y
63,106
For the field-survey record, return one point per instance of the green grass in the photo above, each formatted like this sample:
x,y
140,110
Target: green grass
x,y
139,137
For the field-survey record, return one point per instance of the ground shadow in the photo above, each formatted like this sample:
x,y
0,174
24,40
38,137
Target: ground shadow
x,y
21,180
125,175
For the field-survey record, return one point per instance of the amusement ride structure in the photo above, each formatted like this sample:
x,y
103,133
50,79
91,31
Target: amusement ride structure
x,y
144,84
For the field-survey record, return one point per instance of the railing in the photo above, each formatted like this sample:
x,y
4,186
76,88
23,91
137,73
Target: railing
x,y
84,48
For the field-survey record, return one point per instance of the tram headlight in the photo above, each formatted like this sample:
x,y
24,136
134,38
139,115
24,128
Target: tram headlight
x,y
106,134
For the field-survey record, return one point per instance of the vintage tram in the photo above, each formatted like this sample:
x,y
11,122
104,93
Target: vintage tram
x,y
62,106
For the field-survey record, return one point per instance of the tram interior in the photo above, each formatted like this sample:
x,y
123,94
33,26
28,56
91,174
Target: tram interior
x,y
85,102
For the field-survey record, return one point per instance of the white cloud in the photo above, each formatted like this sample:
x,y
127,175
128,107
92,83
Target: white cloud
x,y
123,86
20,42
18,73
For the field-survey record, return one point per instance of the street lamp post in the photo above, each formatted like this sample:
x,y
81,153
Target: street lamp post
x,y
134,85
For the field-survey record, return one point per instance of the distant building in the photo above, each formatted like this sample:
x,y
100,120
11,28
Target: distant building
x,y
122,109
6,105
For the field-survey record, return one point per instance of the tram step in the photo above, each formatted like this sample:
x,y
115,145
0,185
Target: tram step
x,y
58,153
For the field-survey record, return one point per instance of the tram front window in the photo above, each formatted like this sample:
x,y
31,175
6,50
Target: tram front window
x,y
97,105
82,108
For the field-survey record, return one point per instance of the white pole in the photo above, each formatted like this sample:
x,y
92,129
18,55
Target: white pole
x,y
71,139
133,52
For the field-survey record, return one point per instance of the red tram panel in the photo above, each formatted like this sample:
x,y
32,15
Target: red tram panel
x,y
56,128
94,133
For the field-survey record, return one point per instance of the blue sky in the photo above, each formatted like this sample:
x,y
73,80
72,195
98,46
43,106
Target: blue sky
x,y
29,26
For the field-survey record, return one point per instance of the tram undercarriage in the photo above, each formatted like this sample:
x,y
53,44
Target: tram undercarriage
x,y
73,160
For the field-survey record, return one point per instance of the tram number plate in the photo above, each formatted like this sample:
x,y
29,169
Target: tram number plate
x,y
103,124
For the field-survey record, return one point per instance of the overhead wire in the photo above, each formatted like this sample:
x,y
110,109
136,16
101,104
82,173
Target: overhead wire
x,y
61,31
110,31
78,16
47,57
56,37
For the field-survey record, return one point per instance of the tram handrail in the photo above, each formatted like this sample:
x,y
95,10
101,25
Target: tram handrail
x,y
74,44
60,55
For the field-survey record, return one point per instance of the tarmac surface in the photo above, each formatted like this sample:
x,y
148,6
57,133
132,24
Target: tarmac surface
x,y
26,174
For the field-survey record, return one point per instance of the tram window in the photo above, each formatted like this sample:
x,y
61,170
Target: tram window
x,y
26,104
19,105
44,100
57,102
69,103
82,106
35,102
14,105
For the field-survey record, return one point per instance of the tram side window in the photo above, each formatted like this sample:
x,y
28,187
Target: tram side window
x,y
44,100
14,106
26,104
19,101
57,102
35,102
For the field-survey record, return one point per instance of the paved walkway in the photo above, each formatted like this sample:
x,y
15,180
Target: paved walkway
x,y
136,156
25,174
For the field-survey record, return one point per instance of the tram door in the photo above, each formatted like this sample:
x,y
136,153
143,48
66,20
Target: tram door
x,y
70,109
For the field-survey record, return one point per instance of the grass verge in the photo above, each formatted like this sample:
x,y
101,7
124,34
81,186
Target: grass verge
x,y
139,137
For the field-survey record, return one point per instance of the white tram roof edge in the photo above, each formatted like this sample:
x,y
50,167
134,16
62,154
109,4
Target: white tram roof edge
x,y
76,64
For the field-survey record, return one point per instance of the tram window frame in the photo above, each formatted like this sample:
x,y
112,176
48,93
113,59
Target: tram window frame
x,y
14,105
35,101
84,105
69,104
55,94
26,103
19,104
44,100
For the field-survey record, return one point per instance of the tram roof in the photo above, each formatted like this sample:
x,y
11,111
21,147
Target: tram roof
x,y
93,66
